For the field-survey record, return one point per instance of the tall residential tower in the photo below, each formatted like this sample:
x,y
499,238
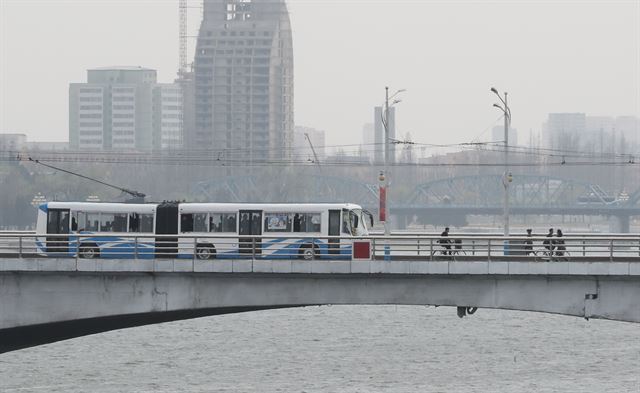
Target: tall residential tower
x,y
244,81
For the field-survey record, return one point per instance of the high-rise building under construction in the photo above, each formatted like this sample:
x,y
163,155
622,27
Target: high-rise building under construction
x,y
244,81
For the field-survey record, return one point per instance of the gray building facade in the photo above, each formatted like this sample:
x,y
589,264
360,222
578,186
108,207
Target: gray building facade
x,y
124,108
244,80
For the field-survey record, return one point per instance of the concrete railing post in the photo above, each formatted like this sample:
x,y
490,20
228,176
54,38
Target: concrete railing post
x,y
195,248
489,250
431,249
373,248
77,250
253,248
313,249
611,249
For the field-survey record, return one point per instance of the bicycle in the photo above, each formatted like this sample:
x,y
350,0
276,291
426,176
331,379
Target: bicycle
x,y
449,249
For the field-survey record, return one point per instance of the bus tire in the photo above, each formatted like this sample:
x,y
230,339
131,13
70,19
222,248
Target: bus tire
x,y
89,251
205,251
308,253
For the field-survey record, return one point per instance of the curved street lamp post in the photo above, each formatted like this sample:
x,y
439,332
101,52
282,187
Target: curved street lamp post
x,y
385,215
506,177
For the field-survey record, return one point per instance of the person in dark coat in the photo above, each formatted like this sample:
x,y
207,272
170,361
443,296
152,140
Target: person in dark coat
x,y
445,242
548,243
559,244
528,244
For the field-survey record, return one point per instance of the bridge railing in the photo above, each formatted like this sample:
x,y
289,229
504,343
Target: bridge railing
x,y
405,247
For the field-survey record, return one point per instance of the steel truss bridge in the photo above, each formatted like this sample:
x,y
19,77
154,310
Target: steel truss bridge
x,y
449,197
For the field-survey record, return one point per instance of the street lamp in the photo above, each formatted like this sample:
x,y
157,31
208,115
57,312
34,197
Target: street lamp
x,y
506,177
385,215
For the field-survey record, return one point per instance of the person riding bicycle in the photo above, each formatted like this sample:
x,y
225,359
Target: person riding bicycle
x,y
548,243
445,242
528,244
559,242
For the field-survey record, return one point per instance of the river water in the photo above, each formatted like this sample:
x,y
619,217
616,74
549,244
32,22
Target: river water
x,y
341,349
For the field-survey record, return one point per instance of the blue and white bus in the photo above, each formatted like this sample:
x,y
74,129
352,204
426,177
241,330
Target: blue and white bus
x,y
208,230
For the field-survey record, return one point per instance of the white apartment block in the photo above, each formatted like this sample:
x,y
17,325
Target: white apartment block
x,y
90,116
168,114
124,108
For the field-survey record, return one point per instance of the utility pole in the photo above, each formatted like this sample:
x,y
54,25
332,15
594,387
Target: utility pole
x,y
385,214
383,196
506,177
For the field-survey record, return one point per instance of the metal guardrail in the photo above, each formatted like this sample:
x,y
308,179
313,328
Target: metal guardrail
x,y
398,247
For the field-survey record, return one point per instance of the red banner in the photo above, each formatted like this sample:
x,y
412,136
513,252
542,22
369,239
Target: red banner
x,y
383,203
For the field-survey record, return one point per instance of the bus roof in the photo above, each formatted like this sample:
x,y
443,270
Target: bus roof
x,y
269,207
197,207
104,207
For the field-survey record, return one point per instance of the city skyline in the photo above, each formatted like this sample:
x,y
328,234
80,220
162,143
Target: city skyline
x,y
551,58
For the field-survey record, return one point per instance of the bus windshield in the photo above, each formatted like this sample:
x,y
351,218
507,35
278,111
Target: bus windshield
x,y
358,220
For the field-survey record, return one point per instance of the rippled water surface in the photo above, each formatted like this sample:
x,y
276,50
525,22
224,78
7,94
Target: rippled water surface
x,y
341,349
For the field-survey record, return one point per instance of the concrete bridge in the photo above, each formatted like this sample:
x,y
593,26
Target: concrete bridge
x,y
43,300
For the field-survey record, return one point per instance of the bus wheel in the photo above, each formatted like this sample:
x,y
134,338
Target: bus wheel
x,y
308,253
206,252
89,251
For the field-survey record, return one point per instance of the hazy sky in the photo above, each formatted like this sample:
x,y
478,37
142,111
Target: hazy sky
x,y
551,56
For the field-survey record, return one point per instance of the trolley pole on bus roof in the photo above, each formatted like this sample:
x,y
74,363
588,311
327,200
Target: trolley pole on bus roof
x,y
138,197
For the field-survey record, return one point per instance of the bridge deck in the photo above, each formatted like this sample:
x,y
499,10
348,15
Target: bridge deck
x,y
504,266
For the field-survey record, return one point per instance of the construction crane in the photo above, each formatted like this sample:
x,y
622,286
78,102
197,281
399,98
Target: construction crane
x,y
182,6
183,32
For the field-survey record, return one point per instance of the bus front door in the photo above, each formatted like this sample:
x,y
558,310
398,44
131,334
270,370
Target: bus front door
x,y
334,230
250,225
58,224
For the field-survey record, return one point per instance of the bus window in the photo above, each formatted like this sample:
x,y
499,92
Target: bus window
x,y
306,222
92,222
58,221
106,222
81,221
146,223
229,222
222,222
186,223
74,222
353,219
134,222
119,222
277,222
200,222
358,223
346,225
140,223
